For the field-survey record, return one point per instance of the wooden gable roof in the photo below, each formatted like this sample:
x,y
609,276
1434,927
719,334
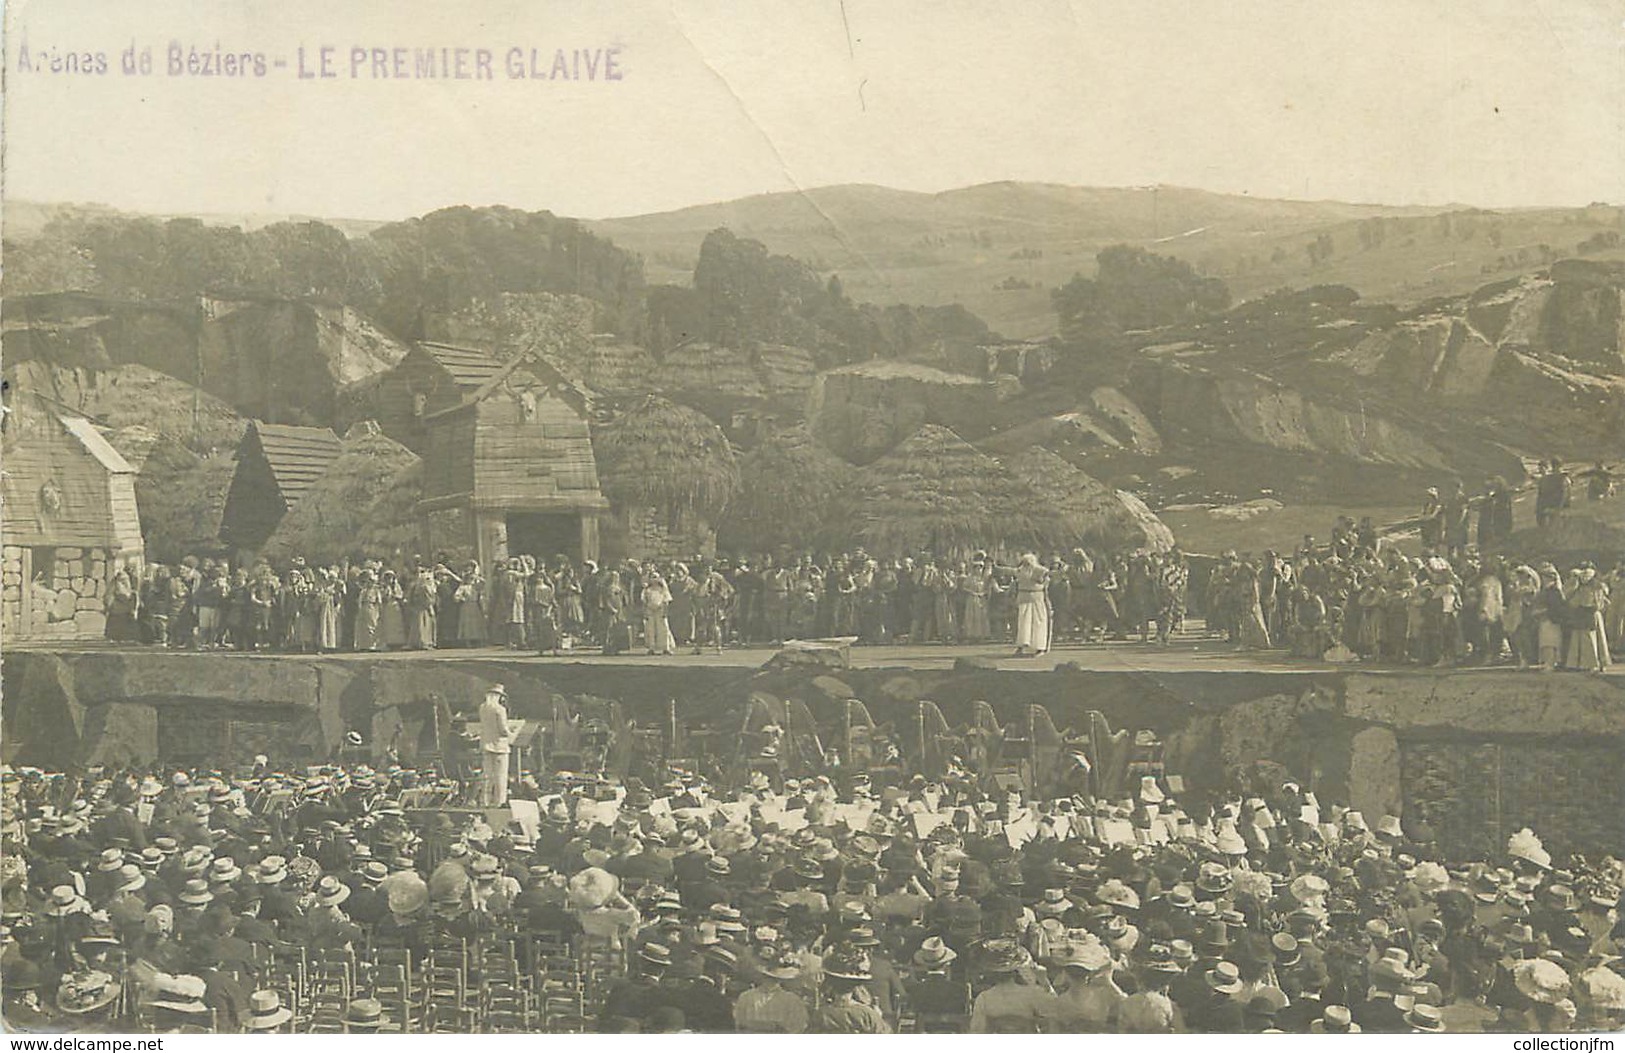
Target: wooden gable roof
x,y
468,367
296,456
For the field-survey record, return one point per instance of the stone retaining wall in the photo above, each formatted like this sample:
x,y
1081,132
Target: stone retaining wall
x,y
1479,753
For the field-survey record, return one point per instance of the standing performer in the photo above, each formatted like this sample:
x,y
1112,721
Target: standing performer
x,y
496,738
1032,607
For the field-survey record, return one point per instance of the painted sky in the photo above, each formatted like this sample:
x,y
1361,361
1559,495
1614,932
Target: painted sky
x,y
1481,102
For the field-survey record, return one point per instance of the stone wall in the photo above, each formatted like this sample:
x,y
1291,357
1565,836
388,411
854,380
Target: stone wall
x,y
645,533
1478,754
73,606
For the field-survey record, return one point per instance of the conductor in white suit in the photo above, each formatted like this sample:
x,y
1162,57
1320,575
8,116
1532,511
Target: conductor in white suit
x,y
496,742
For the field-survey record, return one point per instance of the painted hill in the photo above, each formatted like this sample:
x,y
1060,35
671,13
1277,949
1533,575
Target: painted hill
x,y
998,248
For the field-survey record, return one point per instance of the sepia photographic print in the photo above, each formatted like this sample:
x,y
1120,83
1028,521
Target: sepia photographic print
x,y
824,517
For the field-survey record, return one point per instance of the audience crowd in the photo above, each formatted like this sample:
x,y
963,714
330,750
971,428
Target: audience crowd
x,y
340,897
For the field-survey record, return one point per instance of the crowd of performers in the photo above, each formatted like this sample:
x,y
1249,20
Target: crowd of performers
x,y
1354,598
656,606
189,899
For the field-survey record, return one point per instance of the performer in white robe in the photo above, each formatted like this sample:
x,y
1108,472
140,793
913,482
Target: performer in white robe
x,y
1032,607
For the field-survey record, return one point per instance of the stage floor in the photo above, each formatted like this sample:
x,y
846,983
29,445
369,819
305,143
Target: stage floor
x,y
1190,652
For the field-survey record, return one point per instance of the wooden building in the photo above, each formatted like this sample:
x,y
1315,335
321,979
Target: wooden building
x,y
432,377
276,464
508,466
70,522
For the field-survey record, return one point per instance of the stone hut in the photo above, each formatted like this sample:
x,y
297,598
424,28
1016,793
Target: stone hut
x,y
70,521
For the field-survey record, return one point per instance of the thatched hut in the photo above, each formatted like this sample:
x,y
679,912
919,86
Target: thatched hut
x,y
669,473
615,368
1101,517
365,504
788,485
710,369
936,491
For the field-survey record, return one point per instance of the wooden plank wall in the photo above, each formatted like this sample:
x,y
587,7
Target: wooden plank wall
x,y
545,463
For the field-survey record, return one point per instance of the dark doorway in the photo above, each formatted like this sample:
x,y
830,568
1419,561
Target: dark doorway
x,y
544,535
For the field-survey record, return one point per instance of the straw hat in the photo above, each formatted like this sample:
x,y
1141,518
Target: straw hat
x,y
266,1011
848,963
1424,1017
1004,955
64,901
655,954
774,962
195,893
224,869
330,891
1224,978
1335,1020
365,1013
273,870
85,992
1541,981
1084,955
1115,893
934,954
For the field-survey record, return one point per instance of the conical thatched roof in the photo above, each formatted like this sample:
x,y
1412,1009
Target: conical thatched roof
x,y
364,504
1100,516
788,485
936,491
661,455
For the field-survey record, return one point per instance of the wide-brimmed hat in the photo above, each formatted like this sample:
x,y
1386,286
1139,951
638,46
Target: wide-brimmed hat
x,y
774,962
272,870
195,893
365,1012
1004,955
1424,1017
719,866
1054,902
1181,897
1391,973
1116,894
1560,897
224,869
655,954
84,992
111,859
330,891
848,963
934,954
1159,958
1084,955
1224,977
1541,981
64,900
861,936
266,1011
1526,846
1214,878
130,878
1335,1020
